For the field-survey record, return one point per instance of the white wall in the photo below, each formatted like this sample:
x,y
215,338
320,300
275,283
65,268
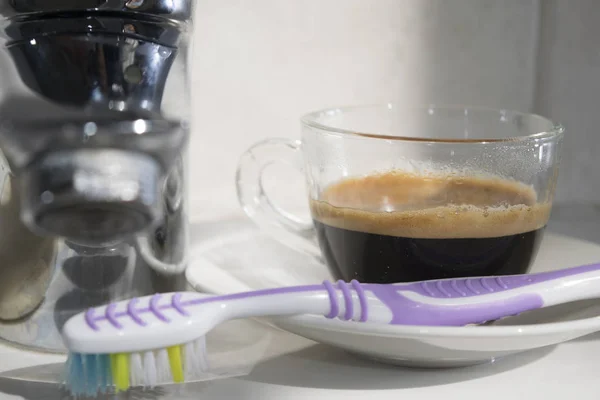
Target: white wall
x,y
260,64
568,90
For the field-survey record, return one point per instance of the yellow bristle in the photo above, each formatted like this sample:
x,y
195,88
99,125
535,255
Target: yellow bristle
x,y
120,371
175,363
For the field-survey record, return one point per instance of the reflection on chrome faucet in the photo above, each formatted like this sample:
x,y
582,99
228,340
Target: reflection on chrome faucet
x,y
93,130
27,259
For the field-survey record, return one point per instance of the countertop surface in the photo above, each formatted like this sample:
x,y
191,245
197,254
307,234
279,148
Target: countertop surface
x,y
291,367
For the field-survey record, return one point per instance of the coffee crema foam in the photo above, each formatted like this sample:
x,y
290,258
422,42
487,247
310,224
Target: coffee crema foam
x,y
431,206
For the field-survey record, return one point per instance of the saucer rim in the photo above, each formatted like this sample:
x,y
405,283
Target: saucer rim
x,y
358,328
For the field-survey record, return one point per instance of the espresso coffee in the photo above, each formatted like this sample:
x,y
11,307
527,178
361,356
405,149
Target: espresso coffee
x,y
399,227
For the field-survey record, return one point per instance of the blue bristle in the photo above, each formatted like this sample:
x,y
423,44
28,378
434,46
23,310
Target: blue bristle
x,y
88,374
76,374
84,375
100,374
106,372
91,377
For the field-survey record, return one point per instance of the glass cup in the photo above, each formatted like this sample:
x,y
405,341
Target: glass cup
x,y
402,194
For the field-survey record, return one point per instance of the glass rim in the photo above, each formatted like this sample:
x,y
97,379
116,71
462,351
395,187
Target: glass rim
x,y
310,120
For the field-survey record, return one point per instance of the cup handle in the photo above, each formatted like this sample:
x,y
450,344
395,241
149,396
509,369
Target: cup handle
x,y
283,226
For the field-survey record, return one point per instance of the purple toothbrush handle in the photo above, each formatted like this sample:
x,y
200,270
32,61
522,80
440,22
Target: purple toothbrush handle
x,y
406,311
446,307
467,287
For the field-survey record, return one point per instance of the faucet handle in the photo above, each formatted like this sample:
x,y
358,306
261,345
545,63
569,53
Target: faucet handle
x,y
92,195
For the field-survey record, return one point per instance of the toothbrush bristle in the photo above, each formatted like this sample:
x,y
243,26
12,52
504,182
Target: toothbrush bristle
x,y
90,374
162,364
176,363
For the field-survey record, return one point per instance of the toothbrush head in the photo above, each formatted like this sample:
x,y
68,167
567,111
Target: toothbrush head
x,y
93,374
140,342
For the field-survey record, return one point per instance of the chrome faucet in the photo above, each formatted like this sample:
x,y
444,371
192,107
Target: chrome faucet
x,y
94,121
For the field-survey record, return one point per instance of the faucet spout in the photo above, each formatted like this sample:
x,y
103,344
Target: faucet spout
x,y
92,195
93,137
97,145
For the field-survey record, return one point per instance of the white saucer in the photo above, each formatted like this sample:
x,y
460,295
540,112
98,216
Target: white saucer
x,y
233,255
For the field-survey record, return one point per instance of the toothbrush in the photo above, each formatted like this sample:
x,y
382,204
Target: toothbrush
x,y
159,339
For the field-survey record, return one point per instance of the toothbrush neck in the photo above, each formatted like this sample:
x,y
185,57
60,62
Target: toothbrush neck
x,y
309,299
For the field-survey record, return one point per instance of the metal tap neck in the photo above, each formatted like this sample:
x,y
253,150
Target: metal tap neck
x,y
175,10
